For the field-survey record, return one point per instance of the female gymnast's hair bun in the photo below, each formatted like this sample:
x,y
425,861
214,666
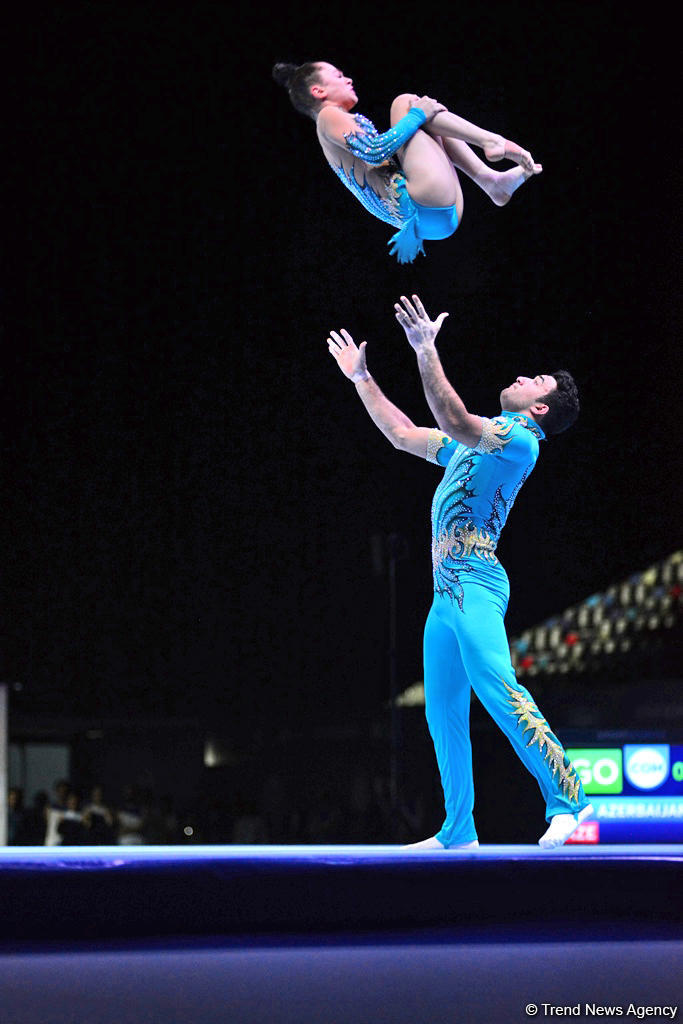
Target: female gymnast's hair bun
x,y
283,73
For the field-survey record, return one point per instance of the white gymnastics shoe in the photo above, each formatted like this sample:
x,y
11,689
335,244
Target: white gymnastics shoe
x,y
561,827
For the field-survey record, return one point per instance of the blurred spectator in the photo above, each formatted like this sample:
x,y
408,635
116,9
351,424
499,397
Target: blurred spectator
x,y
324,821
364,818
216,818
408,821
15,814
281,819
344,807
161,822
249,827
381,791
60,793
56,811
129,819
98,819
31,831
71,829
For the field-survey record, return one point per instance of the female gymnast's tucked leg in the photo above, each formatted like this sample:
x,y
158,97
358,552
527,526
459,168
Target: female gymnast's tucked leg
x,y
429,158
430,175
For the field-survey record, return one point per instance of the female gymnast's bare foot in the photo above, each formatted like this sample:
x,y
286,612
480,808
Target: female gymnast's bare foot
x,y
501,185
503,149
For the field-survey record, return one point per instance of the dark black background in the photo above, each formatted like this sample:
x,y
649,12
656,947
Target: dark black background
x,y
194,497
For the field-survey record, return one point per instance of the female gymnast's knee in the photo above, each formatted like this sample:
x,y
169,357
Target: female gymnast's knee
x,y
402,104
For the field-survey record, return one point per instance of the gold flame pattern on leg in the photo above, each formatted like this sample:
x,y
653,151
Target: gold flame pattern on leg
x,y
529,715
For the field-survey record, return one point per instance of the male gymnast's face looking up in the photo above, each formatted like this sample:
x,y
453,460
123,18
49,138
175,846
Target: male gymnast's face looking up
x,y
528,393
334,86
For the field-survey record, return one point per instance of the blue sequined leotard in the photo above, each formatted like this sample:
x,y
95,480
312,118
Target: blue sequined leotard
x,y
473,501
395,207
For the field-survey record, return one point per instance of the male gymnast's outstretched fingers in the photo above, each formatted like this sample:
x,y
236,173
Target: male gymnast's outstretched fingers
x,y
414,320
349,356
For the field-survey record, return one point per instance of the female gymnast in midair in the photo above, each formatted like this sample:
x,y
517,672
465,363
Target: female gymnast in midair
x,y
407,175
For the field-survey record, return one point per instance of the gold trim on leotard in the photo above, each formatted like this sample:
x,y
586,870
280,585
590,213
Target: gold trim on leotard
x,y
435,442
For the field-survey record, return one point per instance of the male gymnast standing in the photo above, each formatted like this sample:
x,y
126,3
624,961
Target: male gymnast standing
x,y
486,461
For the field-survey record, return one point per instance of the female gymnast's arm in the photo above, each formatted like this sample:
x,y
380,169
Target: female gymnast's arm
x,y
393,423
339,128
445,403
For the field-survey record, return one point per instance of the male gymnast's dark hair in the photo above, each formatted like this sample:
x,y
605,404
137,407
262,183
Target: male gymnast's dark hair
x,y
563,404
297,80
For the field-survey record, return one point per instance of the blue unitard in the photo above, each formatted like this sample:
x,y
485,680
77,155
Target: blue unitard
x,y
465,645
415,221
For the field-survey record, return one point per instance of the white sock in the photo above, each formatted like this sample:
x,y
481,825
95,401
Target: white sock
x,y
434,844
426,844
561,827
